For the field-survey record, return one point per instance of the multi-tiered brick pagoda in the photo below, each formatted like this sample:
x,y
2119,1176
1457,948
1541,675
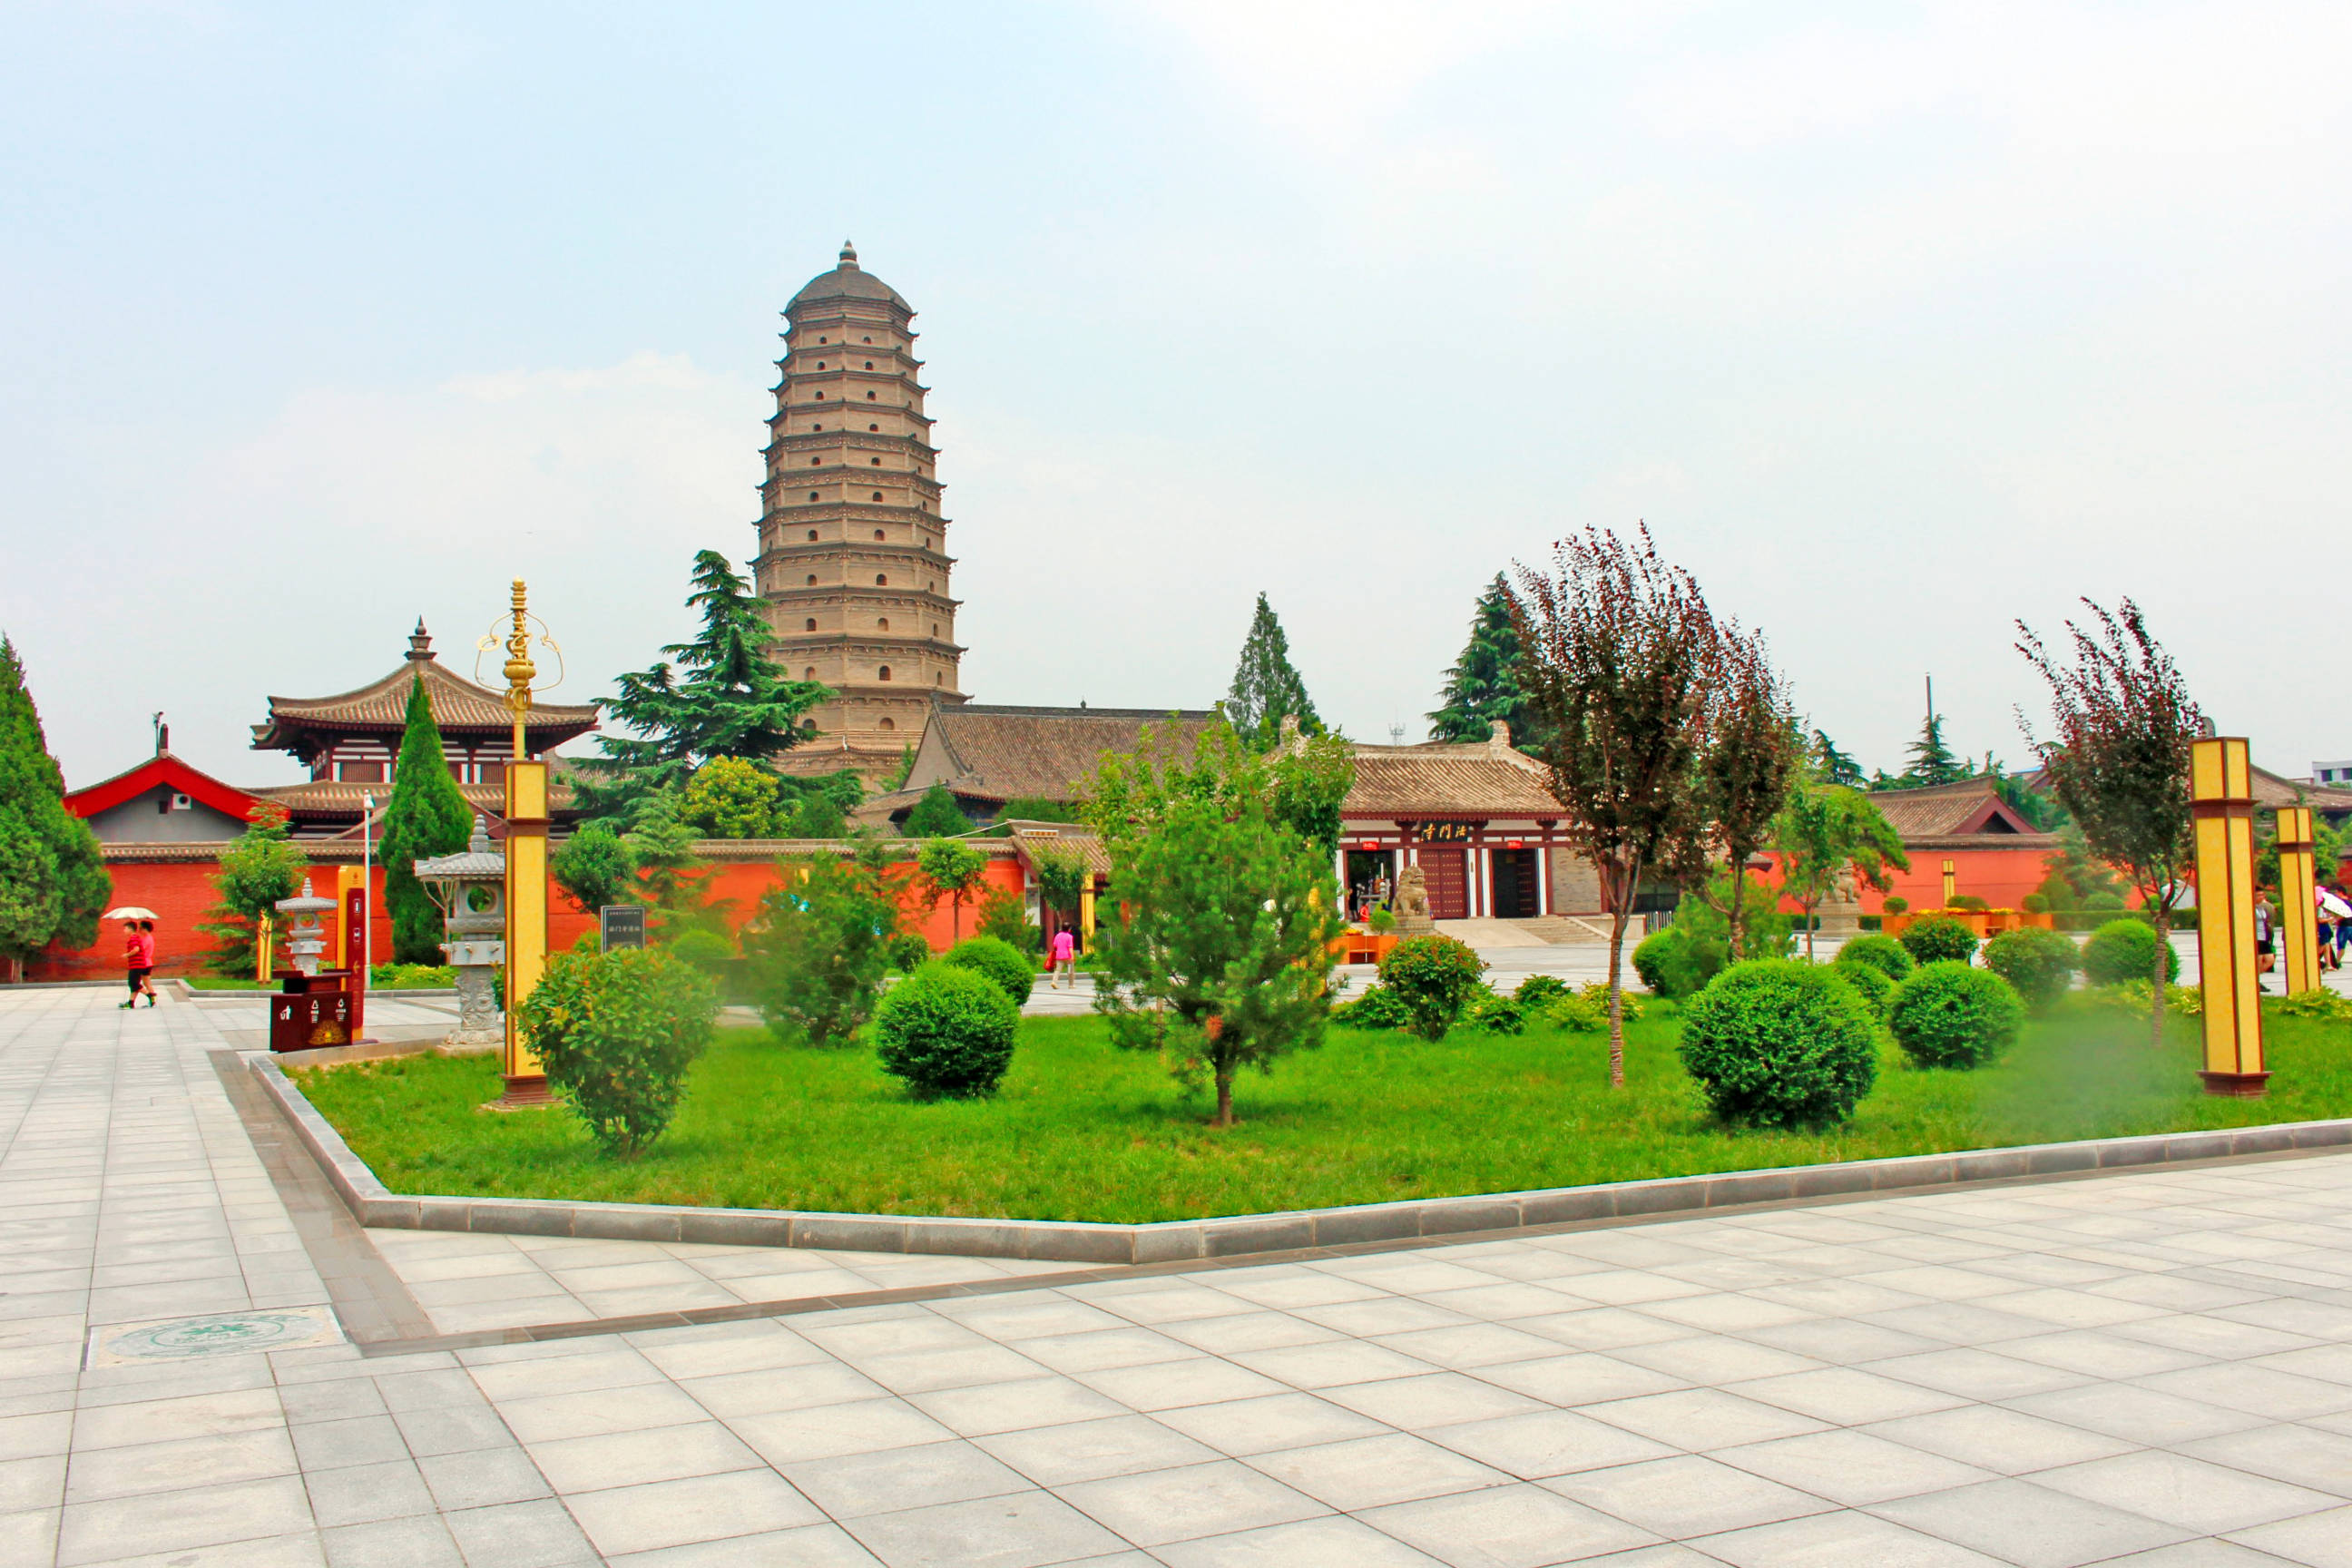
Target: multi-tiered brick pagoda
x,y
853,557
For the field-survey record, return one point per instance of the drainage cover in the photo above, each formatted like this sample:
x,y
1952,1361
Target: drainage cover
x,y
218,1333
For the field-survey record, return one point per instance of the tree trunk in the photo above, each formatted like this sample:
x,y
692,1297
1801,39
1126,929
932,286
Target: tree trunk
x,y
1738,899
1225,1097
1617,993
2156,993
1809,932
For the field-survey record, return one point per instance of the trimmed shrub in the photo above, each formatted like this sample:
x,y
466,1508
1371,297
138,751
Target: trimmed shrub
x,y
1671,963
1436,979
909,951
2039,963
1938,939
1775,1043
1869,982
2124,950
2103,899
1650,960
1377,1008
2034,903
1950,1014
1382,921
706,949
997,960
946,1031
1495,1015
1884,954
1895,904
616,1032
1969,901
1539,991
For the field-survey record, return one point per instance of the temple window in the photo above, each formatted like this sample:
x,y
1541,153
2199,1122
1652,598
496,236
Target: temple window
x,y
877,428
883,624
812,582
881,580
877,495
869,364
812,497
809,674
866,341
820,397
883,673
878,462
812,624
886,724
820,364
869,396
877,534
812,531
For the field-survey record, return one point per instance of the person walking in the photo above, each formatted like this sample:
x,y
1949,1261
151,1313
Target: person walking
x,y
1064,956
2265,956
139,960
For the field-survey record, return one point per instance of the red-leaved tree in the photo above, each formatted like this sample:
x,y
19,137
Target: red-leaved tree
x,y
1620,656
2118,759
1755,752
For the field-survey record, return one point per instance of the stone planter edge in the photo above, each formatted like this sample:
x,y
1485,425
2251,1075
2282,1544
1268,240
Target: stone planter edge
x,y
1089,1243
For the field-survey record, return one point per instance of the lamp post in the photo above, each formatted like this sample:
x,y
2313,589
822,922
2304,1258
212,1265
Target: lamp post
x,y
2221,804
367,891
2299,919
526,871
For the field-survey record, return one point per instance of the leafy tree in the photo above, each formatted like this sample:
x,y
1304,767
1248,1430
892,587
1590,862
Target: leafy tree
x,y
670,875
719,695
2118,760
1266,690
1005,916
1483,684
427,815
616,1032
1038,808
1836,766
595,868
260,866
1300,786
1621,655
730,798
821,944
1061,880
952,872
53,884
1828,831
2042,813
818,815
1223,959
1754,753
937,816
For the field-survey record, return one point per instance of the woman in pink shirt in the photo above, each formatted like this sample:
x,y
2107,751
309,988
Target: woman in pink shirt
x,y
138,957
1065,953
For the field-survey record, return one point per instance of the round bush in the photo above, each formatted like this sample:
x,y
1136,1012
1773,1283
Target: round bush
x,y
909,952
2034,903
1650,955
1775,1043
2126,950
616,1032
1896,904
1939,938
1884,954
1869,982
2039,963
1436,978
1539,991
1952,1015
1495,1015
998,960
1674,964
946,1031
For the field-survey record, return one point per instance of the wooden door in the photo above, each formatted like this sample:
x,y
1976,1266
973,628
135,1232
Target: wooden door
x,y
1448,881
1515,884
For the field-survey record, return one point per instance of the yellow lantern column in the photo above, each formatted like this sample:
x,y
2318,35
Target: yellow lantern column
x,y
2221,801
1952,884
2299,921
526,848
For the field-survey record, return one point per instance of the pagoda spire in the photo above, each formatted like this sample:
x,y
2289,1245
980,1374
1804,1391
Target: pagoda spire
x,y
420,643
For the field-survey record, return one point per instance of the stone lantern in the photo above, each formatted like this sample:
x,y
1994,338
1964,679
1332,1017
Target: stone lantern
x,y
306,938
471,888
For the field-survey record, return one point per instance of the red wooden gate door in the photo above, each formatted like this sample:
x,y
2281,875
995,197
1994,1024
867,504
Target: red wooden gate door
x,y
1448,881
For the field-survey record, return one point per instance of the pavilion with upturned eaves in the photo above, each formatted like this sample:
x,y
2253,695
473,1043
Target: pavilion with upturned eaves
x,y
350,742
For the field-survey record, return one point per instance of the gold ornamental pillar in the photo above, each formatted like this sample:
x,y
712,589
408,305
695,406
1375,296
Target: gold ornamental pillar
x,y
2299,921
526,846
2221,802
1087,916
1952,884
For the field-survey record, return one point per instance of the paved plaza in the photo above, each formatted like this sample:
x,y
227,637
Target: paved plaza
x,y
2152,1369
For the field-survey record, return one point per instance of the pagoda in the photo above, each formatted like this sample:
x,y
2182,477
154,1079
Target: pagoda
x,y
350,742
853,549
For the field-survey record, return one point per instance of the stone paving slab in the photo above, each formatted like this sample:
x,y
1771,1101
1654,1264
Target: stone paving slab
x,y
2151,1366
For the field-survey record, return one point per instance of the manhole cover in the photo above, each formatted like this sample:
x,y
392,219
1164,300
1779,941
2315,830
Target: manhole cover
x,y
219,1333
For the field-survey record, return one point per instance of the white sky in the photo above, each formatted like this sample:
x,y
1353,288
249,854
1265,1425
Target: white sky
x,y
1895,321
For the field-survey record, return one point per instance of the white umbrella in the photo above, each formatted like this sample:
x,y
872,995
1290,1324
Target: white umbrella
x,y
131,912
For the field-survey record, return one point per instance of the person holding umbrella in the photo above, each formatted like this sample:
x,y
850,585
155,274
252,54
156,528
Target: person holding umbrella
x,y
137,950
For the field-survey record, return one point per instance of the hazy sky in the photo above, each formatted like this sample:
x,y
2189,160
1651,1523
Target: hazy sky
x,y
1895,321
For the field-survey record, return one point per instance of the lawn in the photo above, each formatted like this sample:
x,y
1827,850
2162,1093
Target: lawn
x,y
1083,1132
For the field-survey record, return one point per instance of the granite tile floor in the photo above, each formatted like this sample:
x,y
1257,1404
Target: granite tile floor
x,y
2151,1369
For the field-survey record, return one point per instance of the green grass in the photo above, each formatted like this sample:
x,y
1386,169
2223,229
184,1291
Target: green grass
x,y
1084,1131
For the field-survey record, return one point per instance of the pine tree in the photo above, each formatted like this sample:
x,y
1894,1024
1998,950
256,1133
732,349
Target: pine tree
x,y
53,885
427,815
1932,761
937,816
718,696
1266,690
1835,767
1483,684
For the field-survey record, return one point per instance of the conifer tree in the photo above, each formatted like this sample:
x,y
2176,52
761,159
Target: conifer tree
x,y
427,815
1483,684
52,886
1266,690
1836,767
718,696
937,816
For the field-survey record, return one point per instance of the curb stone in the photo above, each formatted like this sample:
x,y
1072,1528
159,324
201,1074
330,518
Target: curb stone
x,y
1078,1241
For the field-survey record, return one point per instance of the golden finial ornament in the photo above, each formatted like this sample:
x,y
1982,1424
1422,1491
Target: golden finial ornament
x,y
520,670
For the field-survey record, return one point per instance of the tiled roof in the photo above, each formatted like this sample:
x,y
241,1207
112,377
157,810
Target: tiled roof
x,y
1479,779
1035,839
1001,752
2272,791
1963,815
459,706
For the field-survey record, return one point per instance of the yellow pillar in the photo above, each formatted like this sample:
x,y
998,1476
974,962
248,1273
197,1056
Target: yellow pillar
x,y
1086,918
526,899
264,941
2299,919
1952,884
2222,796
348,945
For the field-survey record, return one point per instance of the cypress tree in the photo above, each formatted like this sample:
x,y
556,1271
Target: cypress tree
x,y
427,815
53,885
1483,684
1266,690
